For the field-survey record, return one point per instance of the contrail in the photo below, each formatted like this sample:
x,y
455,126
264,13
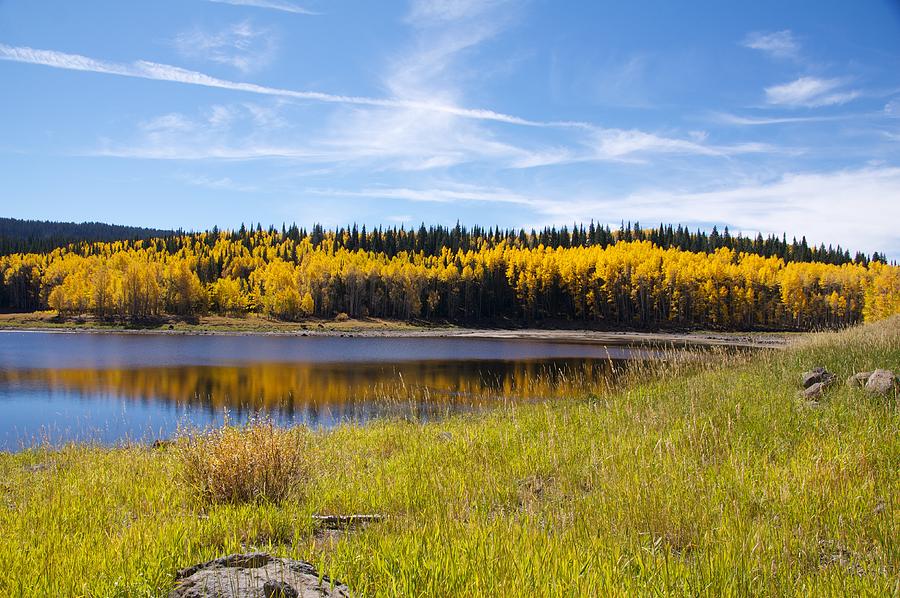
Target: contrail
x,y
143,69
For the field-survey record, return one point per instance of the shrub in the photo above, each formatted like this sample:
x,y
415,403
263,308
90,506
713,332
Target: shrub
x,y
257,462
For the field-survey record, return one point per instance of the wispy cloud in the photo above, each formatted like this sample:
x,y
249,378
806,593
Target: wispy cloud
x,y
241,46
421,128
435,194
168,122
796,203
892,108
216,183
800,203
223,132
751,121
778,44
282,5
432,12
810,92
614,144
163,72
405,125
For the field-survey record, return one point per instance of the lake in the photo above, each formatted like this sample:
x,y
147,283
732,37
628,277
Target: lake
x,y
57,387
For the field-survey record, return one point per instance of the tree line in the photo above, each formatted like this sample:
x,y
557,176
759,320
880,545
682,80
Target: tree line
x,y
31,236
433,239
38,236
290,275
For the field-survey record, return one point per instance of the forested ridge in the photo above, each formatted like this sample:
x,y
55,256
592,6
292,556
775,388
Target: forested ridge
x,y
631,277
37,236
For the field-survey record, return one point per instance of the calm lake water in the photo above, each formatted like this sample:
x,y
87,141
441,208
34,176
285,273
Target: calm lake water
x,y
59,387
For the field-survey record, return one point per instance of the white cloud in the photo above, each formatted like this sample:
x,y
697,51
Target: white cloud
x,y
779,44
630,144
850,207
221,116
734,119
282,5
845,207
413,124
892,108
810,92
168,122
444,11
453,194
219,184
241,46
223,132
143,69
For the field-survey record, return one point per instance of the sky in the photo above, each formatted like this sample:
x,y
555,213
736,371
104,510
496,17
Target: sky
x,y
768,116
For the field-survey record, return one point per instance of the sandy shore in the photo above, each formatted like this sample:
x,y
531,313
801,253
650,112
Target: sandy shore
x,y
389,329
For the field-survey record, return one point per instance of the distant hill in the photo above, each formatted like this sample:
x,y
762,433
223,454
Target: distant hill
x,y
37,236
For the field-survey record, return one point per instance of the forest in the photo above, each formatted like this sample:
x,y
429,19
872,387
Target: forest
x,y
36,236
628,278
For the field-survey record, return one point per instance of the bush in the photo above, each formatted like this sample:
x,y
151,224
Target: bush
x,y
258,462
341,317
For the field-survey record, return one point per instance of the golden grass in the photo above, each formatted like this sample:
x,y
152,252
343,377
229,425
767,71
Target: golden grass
x,y
257,462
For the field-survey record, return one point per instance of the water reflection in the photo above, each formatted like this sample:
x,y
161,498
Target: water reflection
x,y
290,386
62,387
110,404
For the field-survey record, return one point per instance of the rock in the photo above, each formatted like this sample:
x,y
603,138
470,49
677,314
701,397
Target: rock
x,y
881,382
253,575
815,376
343,522
815,391
858,380
279,589
36,467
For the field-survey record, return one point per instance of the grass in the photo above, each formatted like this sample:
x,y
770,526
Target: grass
x,y
256,462
705,478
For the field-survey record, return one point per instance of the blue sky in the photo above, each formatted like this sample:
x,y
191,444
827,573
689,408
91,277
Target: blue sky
x,y
763,116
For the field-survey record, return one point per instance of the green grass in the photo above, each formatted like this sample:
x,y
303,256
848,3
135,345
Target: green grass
x,y
708,479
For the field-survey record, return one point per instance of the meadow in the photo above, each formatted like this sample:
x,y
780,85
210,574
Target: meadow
x,y
685,477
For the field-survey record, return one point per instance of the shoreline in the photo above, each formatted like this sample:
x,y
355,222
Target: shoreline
x,y
391,329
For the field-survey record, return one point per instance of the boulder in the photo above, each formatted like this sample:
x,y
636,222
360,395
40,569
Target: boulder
x,y
254,575
858,380
881,382
815,391
816,375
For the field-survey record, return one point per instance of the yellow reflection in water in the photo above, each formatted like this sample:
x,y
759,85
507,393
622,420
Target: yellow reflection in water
x,y
289,387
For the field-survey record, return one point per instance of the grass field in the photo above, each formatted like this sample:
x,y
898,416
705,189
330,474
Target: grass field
x,y
704,478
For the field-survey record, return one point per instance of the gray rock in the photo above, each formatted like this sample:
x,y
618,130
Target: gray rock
x,y
814,376
279,589
254,575
881,382
858,380
815,391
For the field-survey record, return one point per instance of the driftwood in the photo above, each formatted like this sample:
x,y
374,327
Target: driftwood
x,y
341,522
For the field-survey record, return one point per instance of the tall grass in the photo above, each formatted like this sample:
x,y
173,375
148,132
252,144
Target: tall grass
x,y
708,477
257,462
